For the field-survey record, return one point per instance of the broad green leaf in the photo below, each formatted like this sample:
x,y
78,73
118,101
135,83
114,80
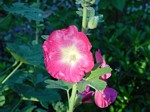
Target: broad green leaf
x,y
81,86
25,11
27,54
36,94
16,56
95,74
59,84
97,84
2,99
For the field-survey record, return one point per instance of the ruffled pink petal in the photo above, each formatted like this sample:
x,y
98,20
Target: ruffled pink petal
x,y
104,98
86,95
105,76
55,61
100,59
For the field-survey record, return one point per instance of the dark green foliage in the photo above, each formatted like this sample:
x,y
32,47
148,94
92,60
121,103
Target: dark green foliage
x,y
123,38
25,11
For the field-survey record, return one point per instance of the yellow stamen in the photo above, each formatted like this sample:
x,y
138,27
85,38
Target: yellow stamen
x,y
70,55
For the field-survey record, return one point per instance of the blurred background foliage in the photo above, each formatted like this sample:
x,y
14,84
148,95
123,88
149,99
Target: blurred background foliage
x,y
123,37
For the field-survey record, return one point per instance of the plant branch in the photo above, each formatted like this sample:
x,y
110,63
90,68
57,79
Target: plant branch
x,y
84,19
11,73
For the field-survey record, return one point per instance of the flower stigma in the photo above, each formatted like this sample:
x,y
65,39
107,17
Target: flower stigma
x,y
70,55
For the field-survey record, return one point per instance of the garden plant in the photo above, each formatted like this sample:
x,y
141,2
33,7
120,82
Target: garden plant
x,y
74,56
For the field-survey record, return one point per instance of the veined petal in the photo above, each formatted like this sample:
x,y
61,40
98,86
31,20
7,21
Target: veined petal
x,y
99,58
67,54
104,98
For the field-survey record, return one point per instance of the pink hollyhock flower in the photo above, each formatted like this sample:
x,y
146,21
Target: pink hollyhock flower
x,y
105,97
100,59
67,54
86,94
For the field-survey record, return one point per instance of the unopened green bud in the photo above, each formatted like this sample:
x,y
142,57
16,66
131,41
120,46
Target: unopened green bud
x,y
93,22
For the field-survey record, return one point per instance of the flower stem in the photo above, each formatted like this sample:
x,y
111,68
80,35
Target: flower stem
x,y
72,98
14,108
14,64
11,73
37,33
84,19
68,94
37,23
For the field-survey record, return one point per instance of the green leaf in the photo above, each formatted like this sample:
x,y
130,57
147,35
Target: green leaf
x,y
97,84
91,12
58,84
27,54
2,99
119,4
79,1
95,74
16,56
80,11
28,108
36,94
81,86
5,22
25,11
40,110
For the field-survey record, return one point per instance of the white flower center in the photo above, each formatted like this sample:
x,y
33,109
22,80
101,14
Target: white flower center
x,y
70,55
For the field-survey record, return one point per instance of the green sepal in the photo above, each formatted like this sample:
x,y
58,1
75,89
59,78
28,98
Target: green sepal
x,y
45,37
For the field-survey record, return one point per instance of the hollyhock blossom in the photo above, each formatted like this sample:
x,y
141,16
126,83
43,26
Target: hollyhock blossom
x,y
100,59
104,98
67,54
86,94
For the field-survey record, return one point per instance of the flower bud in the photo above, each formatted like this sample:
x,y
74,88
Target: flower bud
x,y
93,22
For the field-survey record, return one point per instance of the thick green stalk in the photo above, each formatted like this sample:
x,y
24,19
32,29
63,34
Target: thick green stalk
x,y
68,94
11,73
84,19
72,98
